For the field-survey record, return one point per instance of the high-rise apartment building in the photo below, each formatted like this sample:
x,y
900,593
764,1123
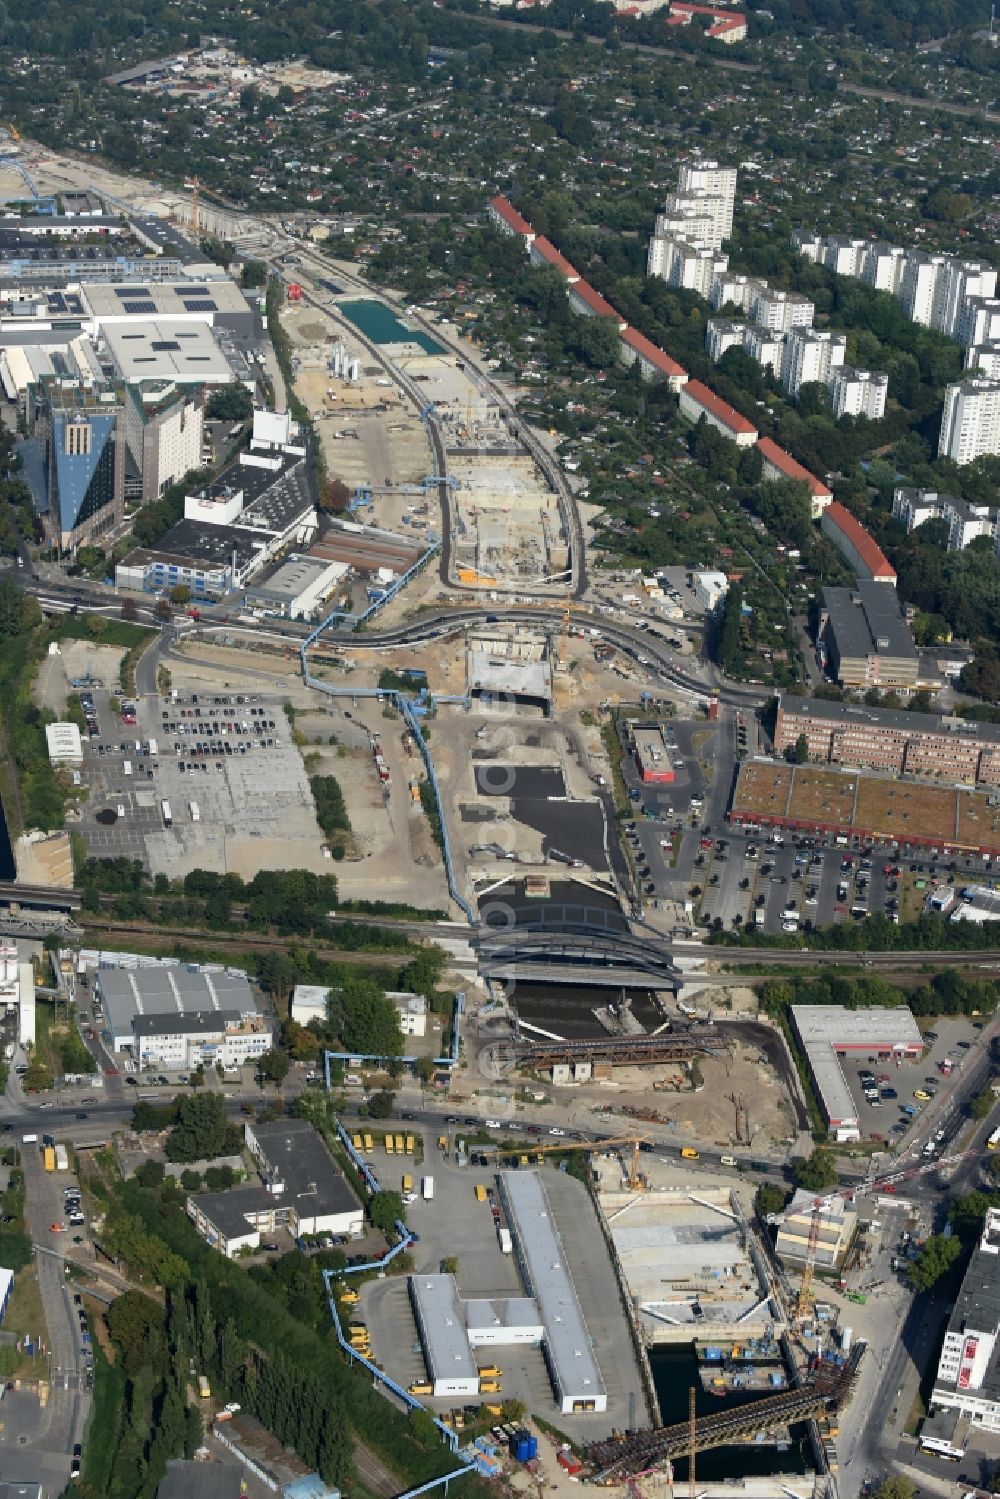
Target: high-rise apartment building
x,y
970,425
958,281
856,392
810,355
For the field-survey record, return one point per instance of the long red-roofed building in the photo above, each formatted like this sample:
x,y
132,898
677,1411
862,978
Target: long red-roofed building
x,y
856,546
507,219
781,465
543,252
697,401
653,363
584,299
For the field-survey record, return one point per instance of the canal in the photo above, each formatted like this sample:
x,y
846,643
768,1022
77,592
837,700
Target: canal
x,y
382,326
8,870
675,1370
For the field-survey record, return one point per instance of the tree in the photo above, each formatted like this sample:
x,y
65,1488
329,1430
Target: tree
x,y
425,1069
770,1199
381,1105
253,273
130,609
982,1104
814,1172
334,495
230,403
163,610
895,1488
181,594
385,1211
800,751
935,1259
274,1064
202,1130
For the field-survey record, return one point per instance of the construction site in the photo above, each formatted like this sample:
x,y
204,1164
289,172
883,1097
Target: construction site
x,y
691,1266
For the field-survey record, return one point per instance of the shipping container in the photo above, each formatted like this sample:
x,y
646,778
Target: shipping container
x,y
62,1158
49,1158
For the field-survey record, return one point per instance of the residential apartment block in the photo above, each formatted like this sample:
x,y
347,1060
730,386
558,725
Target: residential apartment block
x,y
956,297
779,310
685,245
970,423
683,264
856,546
955,750
764,346
965,522
810,356
855,392
697,401
983,360
781,465
721,335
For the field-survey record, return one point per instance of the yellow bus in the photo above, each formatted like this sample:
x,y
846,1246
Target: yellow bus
x,y
480,1192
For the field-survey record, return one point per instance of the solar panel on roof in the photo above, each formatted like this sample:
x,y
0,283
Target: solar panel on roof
x,y
132,307
191,291
199,304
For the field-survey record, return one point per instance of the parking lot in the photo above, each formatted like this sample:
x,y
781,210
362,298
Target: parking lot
x,y
903,1089
196,781
784,882
456,1225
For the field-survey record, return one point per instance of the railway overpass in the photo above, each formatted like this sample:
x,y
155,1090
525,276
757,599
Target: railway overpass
x,y
606,957
616,1460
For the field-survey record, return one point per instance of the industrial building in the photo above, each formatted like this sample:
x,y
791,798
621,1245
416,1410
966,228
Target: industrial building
x,y
226,1038
218,303
652,757
273,1464
864,639
437,1311
302,1189
297,588
835,1221
891,739
232,527
17,992
63,743
690,1267
968,1374
168,993
569,1353
450,1329
188,354
827,1033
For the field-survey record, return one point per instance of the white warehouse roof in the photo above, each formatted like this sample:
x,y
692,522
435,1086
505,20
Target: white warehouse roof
x,y
826,1030
571,1359
63,742
442,1329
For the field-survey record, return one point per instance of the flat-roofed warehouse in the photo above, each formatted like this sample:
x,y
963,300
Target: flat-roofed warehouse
x,y
569,1353
827,1033
129,992
220,303
440,1320
186,354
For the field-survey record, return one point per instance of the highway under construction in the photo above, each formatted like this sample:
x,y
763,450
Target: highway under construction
x,y
624,1457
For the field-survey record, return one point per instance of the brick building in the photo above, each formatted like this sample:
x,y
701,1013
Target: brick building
x,y
953,750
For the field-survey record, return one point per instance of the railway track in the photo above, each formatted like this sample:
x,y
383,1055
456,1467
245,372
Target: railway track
x,y
620,1458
